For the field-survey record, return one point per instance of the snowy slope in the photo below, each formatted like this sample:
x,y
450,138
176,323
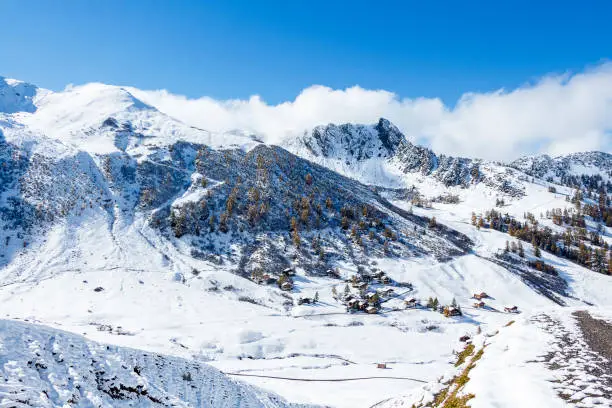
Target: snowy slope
x,y
43,367
111,228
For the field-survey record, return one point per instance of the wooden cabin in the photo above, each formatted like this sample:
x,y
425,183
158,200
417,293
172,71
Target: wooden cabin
x,y
451,311
361,286
287,286
512,309
305,301
410,303
381,365
479,305
481,295
371,310
353,303
464,338
386,292
289,272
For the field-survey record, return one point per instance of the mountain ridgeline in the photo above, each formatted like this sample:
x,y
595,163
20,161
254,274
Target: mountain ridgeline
x,y
310,202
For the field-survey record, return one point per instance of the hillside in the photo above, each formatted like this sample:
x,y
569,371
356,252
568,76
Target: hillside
x,y
44,367
298,268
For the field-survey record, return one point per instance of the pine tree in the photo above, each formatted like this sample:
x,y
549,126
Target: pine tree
x,y
430,303
507,249
316,297
436,303
347,290
334,292
432,222
295,236
521,251
308,179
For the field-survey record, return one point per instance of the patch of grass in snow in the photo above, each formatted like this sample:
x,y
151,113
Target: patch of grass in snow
x,y
462,356
449,397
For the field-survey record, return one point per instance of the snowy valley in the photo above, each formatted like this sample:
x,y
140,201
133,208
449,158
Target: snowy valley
x,y
147,262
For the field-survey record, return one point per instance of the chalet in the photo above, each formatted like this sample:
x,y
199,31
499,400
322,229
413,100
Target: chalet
x,y
305,301
289,272
464,338
410,303
347,298
451,311
263,278
287,286
371,310
362,305
512,309
385,280
361,285
481,295
386,292
268,279
354,303
479,305
332,273
381,365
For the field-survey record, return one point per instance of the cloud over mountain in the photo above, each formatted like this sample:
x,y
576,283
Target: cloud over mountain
x,y
556,114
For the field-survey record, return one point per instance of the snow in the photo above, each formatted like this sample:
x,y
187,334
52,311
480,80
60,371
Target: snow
x,y
100,276
45,367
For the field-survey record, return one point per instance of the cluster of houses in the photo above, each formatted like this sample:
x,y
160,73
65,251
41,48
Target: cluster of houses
x,y
284,280
366,301
364,279
370,304
479,304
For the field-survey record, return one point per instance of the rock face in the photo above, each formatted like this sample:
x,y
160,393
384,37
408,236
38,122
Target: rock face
x,y
381,155
352,142
588,169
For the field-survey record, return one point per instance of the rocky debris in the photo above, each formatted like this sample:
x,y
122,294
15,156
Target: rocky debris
x,y
582,374
598,335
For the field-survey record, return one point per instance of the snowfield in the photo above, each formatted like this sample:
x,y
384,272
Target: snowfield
x,y
43,367
104,305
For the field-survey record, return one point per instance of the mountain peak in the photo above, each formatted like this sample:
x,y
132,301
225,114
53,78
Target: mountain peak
x,y
17,96
351,141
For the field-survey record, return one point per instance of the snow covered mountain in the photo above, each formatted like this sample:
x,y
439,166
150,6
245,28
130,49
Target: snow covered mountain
x,y
381,155
125,225
574,169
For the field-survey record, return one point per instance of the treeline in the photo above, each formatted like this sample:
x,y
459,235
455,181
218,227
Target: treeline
x,y
574,244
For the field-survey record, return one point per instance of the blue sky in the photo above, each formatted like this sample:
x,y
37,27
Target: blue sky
x,y
234,49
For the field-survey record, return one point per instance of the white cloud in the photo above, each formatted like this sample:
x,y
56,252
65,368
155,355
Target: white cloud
x,y
558,114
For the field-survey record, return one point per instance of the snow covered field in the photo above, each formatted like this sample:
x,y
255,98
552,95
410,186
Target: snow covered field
x,y
103,280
